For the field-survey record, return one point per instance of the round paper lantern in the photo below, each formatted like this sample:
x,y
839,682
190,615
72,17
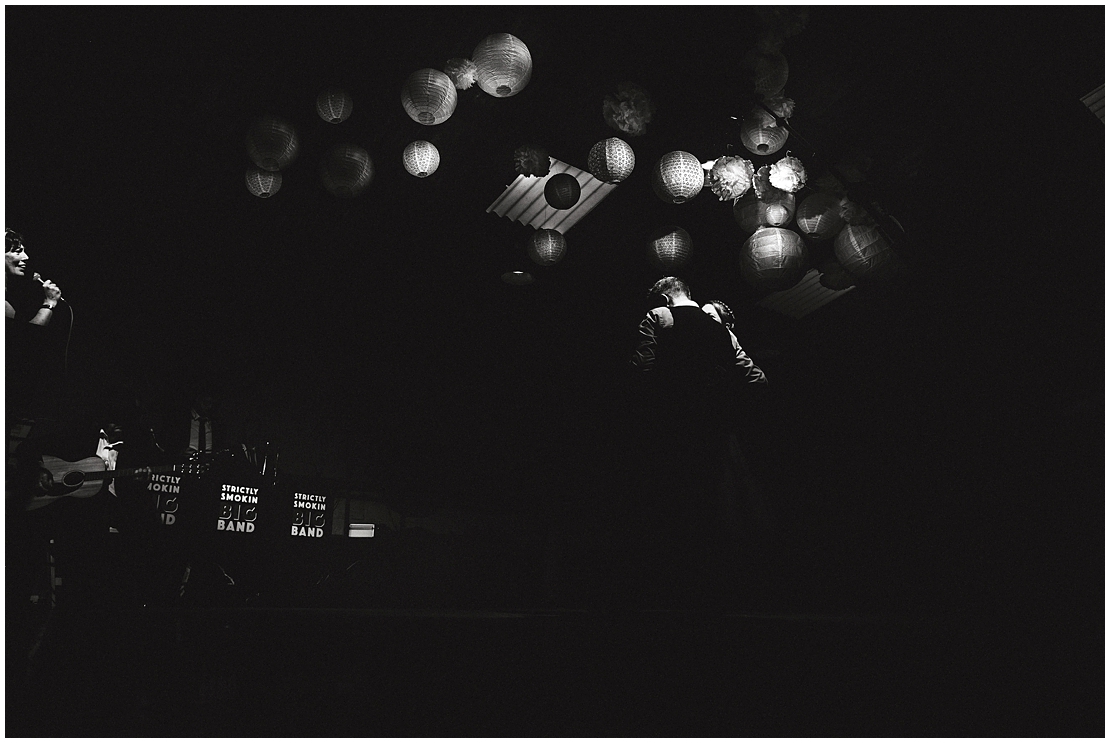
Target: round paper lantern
x,y
768,71
547,247
678,177
773,259
819,216
429,97
751,212
263,183
503,65
420,158
670,247
611,160
562,191
760,134
346,170
334,105
864,251
272,143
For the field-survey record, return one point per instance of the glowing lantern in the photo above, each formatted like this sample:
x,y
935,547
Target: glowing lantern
x,y
678,177
547,247
346,170
263,183
819,216
420,158
670,247
611,160
773,259
429,97
864,251
334,105
760,133
775,210
503,65
562,191
272,143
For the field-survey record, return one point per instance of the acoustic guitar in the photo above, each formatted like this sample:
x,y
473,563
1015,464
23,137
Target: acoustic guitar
x,y
85,477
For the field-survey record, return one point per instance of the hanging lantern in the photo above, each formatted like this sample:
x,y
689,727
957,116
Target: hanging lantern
x,y
865,252
547,247
752,212
730,177
346,170
263,183
767,71
334,105
670,247
773,259
788,174
678,177
503,65
429,97
420,158
461,71
562,191
760,133
819,216
611,160
272,143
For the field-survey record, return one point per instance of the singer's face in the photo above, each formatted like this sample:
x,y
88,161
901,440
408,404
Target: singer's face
x,y
16,260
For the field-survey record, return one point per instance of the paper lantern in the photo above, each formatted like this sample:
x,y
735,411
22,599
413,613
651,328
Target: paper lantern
x,y
751,212
760,133
272,143
503,65
819,216
611,160
547,247
429,97
346,170
865,252
263,183
788,174
773,259
670,247
767,71
334,105
420,158
678,177
562,191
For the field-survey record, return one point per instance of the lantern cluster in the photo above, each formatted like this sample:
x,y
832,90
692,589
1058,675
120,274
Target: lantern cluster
x,y
272,144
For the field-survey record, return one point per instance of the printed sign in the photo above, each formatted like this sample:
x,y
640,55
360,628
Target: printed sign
x,y
309,515
238,508
167,489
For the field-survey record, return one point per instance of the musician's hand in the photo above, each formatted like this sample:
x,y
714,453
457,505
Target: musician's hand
x,y
45,481
51,291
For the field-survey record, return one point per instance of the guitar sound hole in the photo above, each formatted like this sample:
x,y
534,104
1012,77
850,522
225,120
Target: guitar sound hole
x,y
73,479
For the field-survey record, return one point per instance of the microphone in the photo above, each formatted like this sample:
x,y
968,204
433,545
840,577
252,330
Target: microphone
x,y
38,277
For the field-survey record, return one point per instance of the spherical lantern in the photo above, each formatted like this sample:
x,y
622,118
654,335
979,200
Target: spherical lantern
x,y
334,105
670,247
760,133
562,191
819,216
773,259
751,212
420,158
678,177
864,251
429,97
272,143
503,65
547,247
346,170
611,160
767,71
263,183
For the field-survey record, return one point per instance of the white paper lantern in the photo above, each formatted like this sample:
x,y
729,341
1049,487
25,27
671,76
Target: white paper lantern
x,y
678,177
776,210
334,105
346,170
611,160
773,259
503,65
263,183
547,247
865,252
819,216
760,133
420,158
272,143
429,97
670,247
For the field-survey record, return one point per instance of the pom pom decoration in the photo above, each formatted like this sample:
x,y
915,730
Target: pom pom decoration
x,y
776,210
547,247
346,170
781,106
819,216
788,174
462,72
272,143
611,160
730,177
865,252
334,105
760,133
503,65
773,259
629,111
531,161
678,177
669,248
420,158
767,71
429,97
263,183
562,191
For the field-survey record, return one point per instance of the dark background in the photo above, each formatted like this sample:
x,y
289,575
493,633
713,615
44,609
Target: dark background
x,y
934,439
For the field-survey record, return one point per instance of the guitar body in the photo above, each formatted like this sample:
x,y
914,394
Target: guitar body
x,y
71,479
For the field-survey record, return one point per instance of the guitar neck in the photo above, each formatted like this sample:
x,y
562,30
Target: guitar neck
x,y
109,474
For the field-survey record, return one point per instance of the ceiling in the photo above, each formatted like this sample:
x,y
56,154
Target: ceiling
x,y
374,335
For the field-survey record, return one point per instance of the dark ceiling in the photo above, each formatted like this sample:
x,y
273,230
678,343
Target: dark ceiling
x,y
373,337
